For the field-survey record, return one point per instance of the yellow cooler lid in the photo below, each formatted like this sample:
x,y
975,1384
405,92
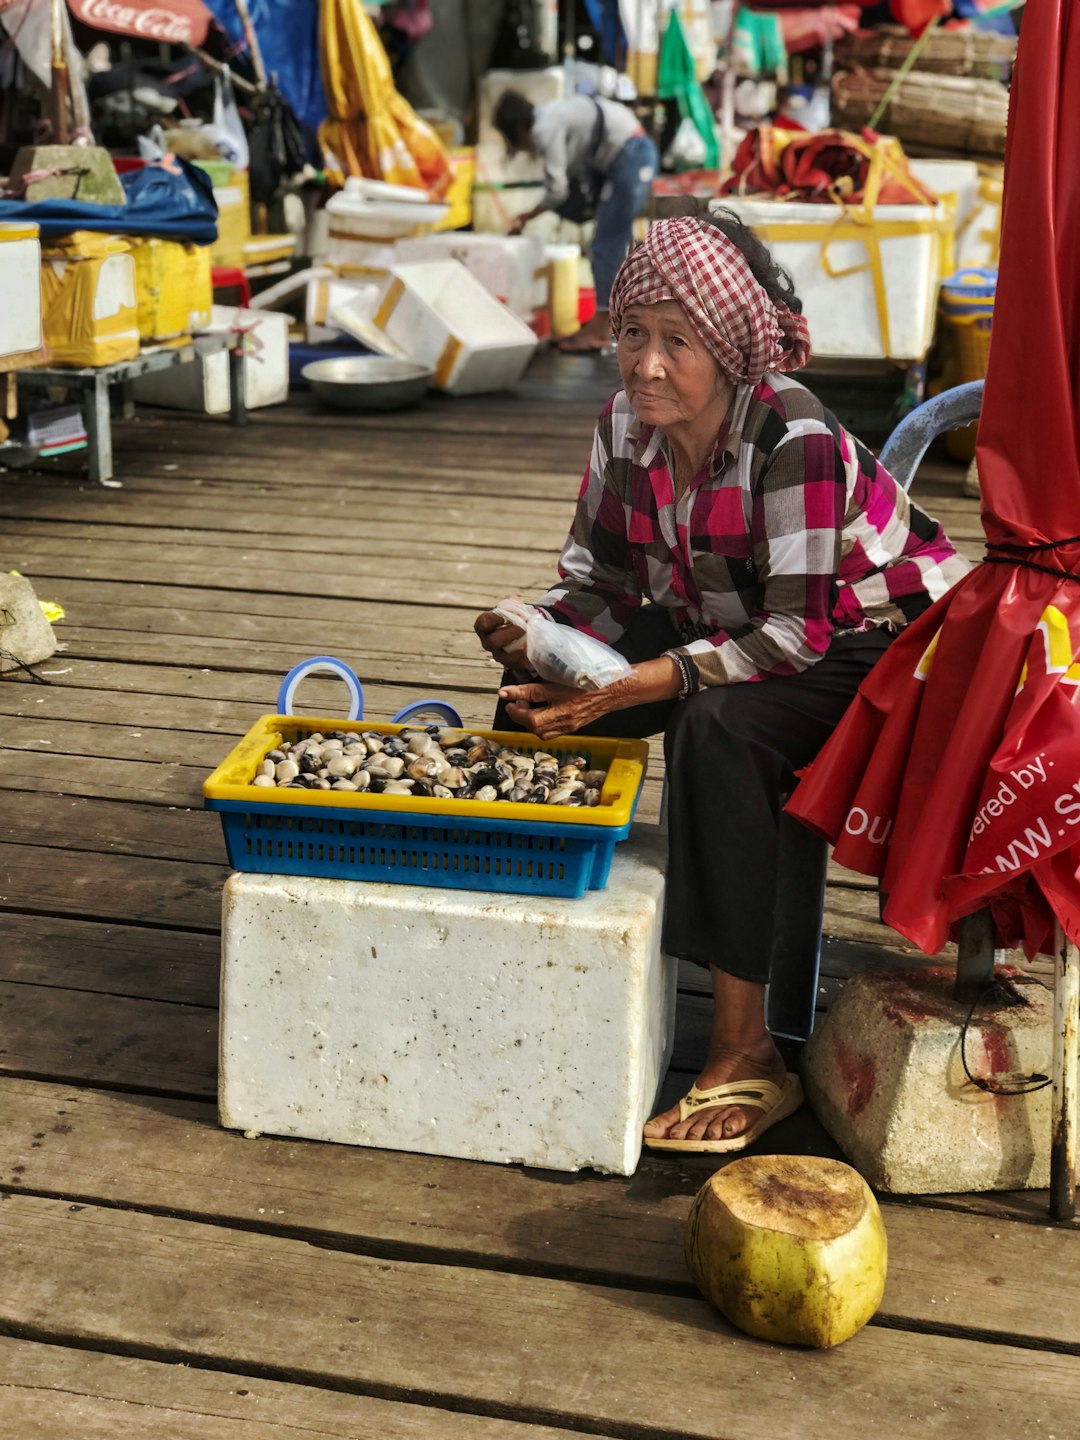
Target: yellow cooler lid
x,y
18,230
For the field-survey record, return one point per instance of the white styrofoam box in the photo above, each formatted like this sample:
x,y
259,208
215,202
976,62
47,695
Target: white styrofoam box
x,y
356,317
950,177
507,1028
495,165
510,267
538,86
20,285
444,318
204,383
841,308
354,216
325,293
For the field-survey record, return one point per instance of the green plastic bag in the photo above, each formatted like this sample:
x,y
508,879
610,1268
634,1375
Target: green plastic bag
x,y
676,80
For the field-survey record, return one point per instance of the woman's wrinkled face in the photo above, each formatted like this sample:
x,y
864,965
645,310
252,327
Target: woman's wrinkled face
x,y
669,376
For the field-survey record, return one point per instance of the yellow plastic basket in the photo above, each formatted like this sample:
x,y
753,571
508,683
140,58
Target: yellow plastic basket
x,y
464,844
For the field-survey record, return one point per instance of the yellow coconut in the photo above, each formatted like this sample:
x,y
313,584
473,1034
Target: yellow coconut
x,y
789,1248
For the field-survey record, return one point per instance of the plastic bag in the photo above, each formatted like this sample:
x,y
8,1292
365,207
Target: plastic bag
x,y
278,151
228,129
560,654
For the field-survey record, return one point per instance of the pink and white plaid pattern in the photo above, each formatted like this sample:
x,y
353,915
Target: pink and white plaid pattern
x,y
696,264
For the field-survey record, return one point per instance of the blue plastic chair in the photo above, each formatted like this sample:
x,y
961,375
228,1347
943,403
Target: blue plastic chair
x,y
804,856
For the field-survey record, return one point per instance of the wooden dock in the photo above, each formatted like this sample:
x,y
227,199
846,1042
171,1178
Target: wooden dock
x,y
162,1277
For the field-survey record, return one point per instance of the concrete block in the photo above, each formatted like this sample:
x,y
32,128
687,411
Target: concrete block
x,y
25,634
885,1076
492,1027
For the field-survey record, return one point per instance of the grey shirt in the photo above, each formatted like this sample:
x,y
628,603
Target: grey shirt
x,y
562,134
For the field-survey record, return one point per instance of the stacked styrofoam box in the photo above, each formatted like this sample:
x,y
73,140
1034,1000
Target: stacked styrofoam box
x,y
957,180
368,216
443,318
841,308
510,267
493,164
204,384
978,210
20,285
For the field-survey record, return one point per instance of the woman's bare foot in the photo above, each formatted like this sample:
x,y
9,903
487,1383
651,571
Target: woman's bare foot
x,y
594,335
740,1048
721,1122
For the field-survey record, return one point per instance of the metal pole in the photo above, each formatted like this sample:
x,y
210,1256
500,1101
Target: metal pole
x,y
1063,1134
977,956
252,41
58,97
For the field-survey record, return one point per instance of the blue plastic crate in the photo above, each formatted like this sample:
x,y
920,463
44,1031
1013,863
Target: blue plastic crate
x,y
513,857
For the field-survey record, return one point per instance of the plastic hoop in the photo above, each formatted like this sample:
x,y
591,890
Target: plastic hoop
x,y
324,664
427,707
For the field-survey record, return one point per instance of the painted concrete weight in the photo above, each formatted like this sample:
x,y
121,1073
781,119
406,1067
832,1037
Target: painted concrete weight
x,y
490,1027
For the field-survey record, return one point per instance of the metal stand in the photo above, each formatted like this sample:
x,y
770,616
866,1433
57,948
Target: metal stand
x,y
93,384
1065,1067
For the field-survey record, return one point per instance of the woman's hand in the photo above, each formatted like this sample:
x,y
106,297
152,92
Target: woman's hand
x,y
497,635
549,710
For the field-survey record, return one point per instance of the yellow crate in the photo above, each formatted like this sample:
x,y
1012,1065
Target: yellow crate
x,y
173,285
624,760
234,221
89,311
401,839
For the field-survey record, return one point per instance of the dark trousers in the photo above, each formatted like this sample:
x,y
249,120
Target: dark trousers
x,y
731,752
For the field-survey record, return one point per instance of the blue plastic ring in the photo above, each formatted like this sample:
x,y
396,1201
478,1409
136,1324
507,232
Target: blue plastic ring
x,y
427,707
324,664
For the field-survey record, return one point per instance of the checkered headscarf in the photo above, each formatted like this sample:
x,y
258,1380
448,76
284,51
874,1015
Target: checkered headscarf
x,y
696,264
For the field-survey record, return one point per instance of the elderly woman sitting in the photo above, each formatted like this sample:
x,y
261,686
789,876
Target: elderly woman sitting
x,y
779,558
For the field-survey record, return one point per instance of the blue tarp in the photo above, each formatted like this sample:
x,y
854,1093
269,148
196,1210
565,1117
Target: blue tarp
x,y
288,35
174,201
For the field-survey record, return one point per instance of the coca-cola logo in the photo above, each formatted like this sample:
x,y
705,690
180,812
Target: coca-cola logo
x,y
185,23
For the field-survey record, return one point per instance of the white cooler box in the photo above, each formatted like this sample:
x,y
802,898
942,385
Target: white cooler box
x,y
513,268
868,287
442,317
369,215
204,384
20,285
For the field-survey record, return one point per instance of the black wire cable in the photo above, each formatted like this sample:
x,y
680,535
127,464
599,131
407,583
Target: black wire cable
x,y
1004,993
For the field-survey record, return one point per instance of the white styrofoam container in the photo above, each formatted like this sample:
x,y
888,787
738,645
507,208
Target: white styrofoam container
x,y
20,286
444,318
506,1028
356,217
510,267
842,309
325,293
204,383
538,86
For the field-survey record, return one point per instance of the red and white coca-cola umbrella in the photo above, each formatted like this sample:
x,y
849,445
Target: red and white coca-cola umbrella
x,y
176,22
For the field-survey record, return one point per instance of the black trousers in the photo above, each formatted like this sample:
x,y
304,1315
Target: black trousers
x,y
731,752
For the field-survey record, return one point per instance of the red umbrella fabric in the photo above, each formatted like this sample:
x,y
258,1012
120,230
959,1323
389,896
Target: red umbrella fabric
x,y
955,774
176,22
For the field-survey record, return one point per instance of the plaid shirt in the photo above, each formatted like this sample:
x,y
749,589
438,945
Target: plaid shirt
x,y
791,533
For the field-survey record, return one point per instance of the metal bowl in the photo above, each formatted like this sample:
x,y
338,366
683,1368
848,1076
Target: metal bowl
x,y
367,382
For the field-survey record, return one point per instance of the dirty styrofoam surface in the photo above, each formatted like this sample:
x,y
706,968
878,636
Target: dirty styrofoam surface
x,y
490,1027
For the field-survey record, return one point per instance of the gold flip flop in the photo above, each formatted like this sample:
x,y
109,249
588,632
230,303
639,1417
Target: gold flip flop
x,y
775,1101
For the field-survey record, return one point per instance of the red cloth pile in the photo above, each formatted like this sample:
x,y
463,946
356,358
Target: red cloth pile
x,y
832,165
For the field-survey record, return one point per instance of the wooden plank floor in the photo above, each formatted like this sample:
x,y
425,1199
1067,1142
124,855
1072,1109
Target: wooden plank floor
x,y
165,1278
